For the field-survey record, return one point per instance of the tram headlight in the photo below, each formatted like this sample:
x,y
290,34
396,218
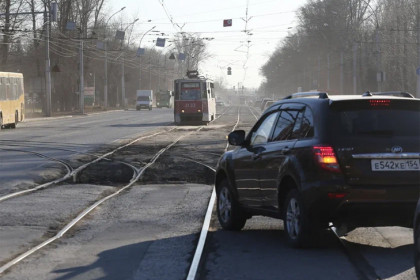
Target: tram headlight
x,y
199,111
182,111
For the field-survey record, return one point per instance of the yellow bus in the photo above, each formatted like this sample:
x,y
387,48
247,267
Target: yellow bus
x,y
12,99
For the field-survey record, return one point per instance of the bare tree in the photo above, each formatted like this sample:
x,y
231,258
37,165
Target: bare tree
x,y
333,36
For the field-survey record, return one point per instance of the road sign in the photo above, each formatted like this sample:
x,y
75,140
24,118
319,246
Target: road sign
x,y
140,51
160,42
70,25
100,45
119,35
227,22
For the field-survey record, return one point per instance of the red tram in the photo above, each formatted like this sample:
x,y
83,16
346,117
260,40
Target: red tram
x,y
194,99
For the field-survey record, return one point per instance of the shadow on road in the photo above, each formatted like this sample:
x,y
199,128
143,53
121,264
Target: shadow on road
x,y
264,254
168,258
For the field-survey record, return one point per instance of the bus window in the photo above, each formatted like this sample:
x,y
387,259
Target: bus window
x,y
19,88
14,89
2,89
8,90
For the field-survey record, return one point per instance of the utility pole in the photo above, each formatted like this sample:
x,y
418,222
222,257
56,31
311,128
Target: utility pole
x,y
106,60
379,74
122,38
355,69
47,64
328,74
418,47
106,78
341,73
318,82
140,52
82,83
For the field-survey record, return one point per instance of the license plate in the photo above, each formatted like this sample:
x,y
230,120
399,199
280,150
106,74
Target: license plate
x,y
395,164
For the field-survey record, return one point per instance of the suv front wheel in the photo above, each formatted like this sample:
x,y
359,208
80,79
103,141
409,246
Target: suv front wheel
x,y
299,229
228,210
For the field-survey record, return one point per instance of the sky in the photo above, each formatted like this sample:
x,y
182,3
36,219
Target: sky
x,y
267,23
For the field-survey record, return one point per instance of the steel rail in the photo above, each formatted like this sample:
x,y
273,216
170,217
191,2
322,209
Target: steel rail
x,y
135,178
66,228
249,107
34,144
192,273
74,172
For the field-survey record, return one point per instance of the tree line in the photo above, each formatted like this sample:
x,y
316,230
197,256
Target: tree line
x,y
347,47
23,44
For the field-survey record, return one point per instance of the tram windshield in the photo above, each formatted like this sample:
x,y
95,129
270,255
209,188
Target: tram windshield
x,y
190,91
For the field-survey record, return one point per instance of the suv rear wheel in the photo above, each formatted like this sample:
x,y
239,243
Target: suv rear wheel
x,y
300,231
228,210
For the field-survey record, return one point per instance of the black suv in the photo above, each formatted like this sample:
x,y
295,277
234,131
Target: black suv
x,y
314,159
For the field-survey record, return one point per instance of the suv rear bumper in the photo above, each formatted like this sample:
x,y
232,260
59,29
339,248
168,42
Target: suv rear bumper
x,y
375,214
365,206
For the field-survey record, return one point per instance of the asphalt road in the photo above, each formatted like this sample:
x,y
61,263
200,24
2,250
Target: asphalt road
x,y
67,138
150,230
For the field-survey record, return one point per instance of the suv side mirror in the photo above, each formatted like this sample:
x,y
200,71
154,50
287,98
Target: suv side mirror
x,y
236,138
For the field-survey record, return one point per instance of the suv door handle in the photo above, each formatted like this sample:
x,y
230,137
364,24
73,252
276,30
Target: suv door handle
x,y
256,156
285,151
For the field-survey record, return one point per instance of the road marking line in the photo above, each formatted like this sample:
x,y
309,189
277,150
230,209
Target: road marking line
x,y
203,235
204,230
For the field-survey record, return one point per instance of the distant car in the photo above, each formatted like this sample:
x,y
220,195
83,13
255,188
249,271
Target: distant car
x,y
313,159
220,103
416,235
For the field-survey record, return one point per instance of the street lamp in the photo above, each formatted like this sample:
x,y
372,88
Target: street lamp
x,y
141,39
123,74
106,60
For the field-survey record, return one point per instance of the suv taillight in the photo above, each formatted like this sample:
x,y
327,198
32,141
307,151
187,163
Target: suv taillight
x,y
325,157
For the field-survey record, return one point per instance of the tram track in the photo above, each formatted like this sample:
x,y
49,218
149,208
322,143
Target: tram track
x,y
42,145
72,172
193,273
251,110
137,174
86,211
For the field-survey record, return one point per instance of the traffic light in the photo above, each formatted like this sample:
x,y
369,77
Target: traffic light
x,y
229,71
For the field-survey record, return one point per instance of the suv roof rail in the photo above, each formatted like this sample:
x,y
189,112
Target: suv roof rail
x,y
389,93
321,95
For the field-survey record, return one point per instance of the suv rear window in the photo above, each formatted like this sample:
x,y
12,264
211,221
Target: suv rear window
x,y
384,118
